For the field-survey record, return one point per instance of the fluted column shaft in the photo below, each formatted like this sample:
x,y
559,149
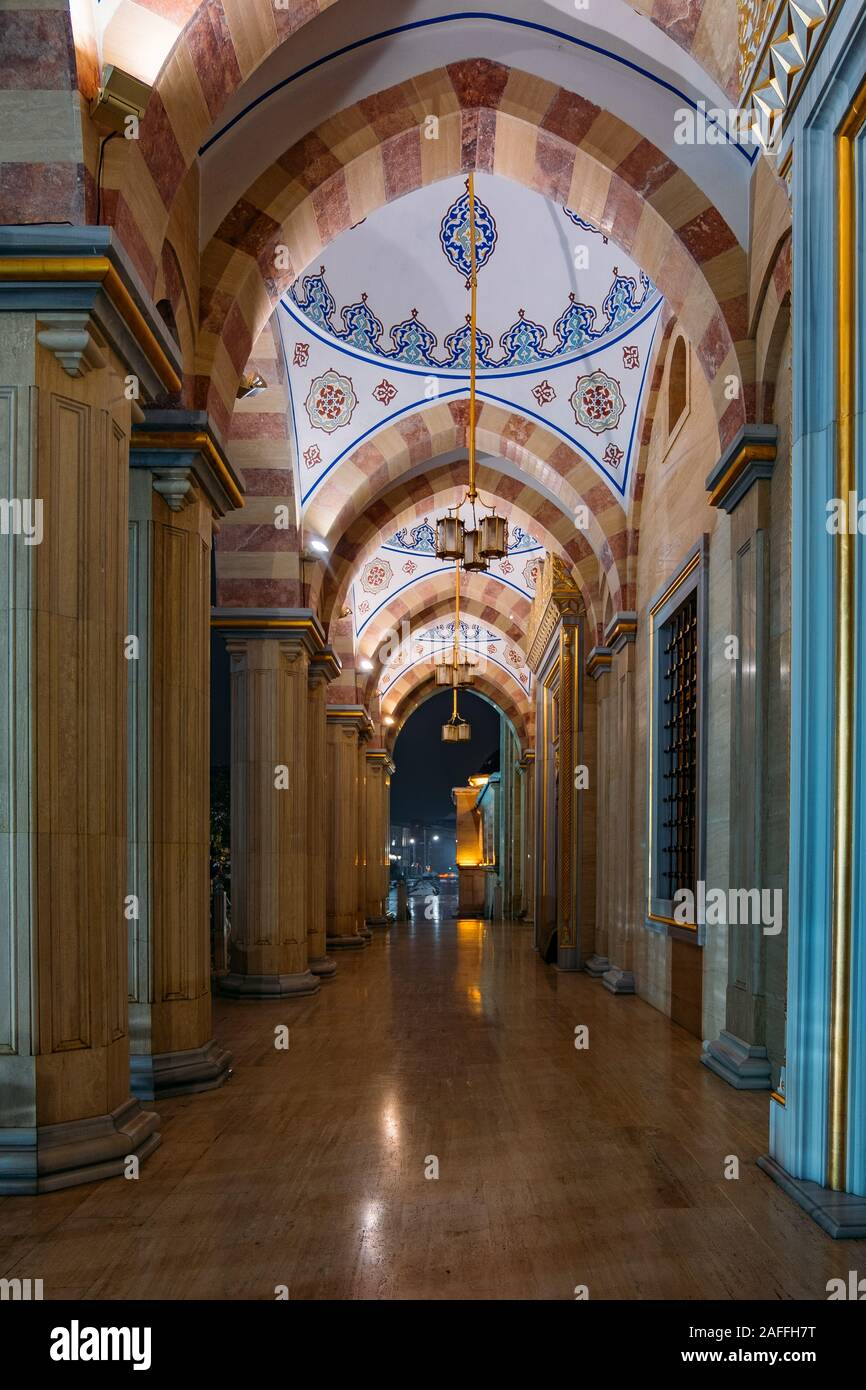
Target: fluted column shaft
x,y
345,726
66,1114
317,826
377,821
269,817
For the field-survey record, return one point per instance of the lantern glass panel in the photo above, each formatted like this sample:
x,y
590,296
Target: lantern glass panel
x,y
494,537
449,538
473,560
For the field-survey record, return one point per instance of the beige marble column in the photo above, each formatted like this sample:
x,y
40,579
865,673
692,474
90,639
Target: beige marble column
x,y
322,669
66,1113
527,838
174,496
377,828
362,836
347,726
269,805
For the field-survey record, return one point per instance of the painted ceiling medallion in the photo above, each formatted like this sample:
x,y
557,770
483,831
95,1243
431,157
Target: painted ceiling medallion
x,y
331,401
377,576
597,402
454,235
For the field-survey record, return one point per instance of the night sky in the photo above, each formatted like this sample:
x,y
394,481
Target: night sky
x,y
427,768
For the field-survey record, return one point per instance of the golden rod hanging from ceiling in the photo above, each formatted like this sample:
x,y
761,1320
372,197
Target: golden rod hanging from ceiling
x,y
486,539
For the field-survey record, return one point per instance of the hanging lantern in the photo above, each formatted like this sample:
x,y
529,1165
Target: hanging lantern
x,y
445,672
465,672
473,561
449,538
457,730
494,537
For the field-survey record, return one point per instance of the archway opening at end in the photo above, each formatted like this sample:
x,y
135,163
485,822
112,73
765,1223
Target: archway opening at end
x,y
446,807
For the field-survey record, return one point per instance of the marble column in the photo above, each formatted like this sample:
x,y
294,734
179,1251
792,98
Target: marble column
x,y
322,669
66,1112
346,726
377,828
269,664
527,835
739,1054
179,481
361,877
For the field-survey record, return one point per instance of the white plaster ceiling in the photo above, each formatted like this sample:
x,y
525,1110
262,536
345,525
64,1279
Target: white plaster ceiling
x,y
380,330
491,651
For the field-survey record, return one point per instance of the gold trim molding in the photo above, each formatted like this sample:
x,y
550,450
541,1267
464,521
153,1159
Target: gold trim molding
x,y
557,596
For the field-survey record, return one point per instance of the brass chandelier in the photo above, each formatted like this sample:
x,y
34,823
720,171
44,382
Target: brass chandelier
x,y
456,672
486,538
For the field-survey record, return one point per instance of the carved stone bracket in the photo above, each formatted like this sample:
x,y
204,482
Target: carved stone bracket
x,y
556,597
70,336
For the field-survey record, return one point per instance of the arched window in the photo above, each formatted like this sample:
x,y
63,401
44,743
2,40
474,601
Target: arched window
x,y
678,385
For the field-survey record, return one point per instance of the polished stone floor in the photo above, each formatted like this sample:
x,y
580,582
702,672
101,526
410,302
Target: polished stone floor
x,y
557,1167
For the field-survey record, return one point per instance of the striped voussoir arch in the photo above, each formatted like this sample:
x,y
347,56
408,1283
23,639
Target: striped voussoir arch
x,y
505,122
482,595
213,47
417,686
377,469
626,600
443,487
257,562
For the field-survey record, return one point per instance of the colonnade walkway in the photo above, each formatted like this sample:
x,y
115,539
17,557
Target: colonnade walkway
x,y
451,1043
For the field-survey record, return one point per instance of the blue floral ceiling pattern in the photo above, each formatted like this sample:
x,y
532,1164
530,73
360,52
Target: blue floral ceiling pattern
x,y
566,326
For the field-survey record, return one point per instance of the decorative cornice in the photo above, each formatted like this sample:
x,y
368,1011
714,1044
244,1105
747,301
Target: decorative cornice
x,y
56,271
352,716
621,629
381,755
557,596
326,663
750,457
527,759
277,624
599,662
185,439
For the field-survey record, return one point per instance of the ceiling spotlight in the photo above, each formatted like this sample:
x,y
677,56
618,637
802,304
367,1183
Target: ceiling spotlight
x,y
389,721
251,384
319,547
365,664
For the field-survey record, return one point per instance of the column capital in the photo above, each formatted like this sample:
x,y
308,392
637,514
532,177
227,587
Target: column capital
x,y
185,442
325,666
290,626
380,757
84,290
527,759
599,662
621,629
750,457
350,717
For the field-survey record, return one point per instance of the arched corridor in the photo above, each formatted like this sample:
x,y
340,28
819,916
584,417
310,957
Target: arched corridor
x,y
432,662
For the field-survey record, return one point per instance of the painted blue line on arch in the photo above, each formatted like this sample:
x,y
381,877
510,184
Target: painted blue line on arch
x,y
513,20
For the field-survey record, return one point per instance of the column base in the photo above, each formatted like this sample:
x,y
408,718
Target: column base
x,y
744,1067
366,934
618,981
179,1073
596,966
347,943
269,986
378,922
323,968
50,1157
841,1214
